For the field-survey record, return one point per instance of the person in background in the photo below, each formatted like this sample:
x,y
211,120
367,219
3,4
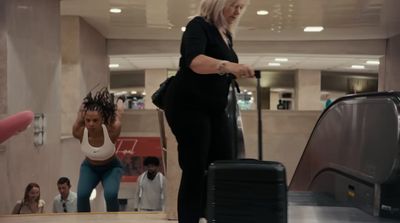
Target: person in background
x,y
150,192
98,127
66,200
196,99
280,105
328,101
31,203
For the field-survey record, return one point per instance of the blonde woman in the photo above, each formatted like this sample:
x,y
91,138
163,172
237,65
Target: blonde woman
x,y
31,203
196,99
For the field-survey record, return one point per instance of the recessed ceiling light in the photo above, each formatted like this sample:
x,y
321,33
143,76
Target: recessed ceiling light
x,y
133,92
113,65
373,62
191,17
281,59
115,10
262,12
313,29
143,93
183,28
357,67
274,64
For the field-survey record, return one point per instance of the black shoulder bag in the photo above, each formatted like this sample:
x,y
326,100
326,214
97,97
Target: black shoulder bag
x,y
158,97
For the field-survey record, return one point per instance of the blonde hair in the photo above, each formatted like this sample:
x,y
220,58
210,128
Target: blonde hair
x,y
213,12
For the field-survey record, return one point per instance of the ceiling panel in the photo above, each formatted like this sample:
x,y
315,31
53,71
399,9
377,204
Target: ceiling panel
x,y
162,20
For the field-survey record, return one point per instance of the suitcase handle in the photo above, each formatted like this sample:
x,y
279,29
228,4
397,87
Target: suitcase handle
x,y
257,74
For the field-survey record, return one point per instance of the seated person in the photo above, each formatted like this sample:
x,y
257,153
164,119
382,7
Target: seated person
x,y
66,200
150,187
31,203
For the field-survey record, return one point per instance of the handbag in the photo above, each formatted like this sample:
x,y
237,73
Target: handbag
x,y
158,96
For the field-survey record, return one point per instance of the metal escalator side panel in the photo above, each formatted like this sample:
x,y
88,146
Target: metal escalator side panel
x,y
358,135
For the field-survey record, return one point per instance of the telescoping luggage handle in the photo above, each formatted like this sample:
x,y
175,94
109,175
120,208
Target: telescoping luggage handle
x,y
260,152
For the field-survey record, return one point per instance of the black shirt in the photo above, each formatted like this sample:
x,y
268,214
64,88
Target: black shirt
x,y
199,91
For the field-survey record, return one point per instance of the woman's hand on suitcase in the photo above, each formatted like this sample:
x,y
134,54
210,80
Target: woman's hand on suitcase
x,y
239,70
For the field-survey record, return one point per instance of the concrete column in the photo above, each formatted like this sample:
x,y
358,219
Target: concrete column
x,y
274,100
3,59
389,68
308,90
30,80
152,80
84,66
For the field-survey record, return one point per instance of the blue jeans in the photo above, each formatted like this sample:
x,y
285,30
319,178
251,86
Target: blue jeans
x,y
90,175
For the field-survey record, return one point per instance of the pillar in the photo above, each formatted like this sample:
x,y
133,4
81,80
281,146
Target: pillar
x,y
389,68
308,90
84,66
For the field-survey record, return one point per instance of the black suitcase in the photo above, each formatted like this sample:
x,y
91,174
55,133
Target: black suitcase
x,y
247,191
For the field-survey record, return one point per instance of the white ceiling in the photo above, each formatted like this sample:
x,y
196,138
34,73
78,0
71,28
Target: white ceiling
x,y
162,20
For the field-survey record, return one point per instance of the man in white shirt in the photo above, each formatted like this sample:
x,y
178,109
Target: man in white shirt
x,y
66,200
150,194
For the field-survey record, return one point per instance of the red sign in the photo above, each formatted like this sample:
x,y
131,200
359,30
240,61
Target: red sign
x,y
133,150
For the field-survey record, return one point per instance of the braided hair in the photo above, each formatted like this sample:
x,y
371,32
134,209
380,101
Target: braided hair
x,y
102,102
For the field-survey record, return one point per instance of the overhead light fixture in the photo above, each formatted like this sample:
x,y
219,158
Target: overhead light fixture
x,y
133,92
274,64
357,67
281,59
113,65
262,12
183,28
313,29
115,10
373,62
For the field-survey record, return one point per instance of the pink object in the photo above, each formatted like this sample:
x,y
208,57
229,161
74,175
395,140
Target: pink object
x,y
15,123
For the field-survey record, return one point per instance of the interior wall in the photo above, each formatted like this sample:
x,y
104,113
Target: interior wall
x,y
70,72
307,90
94,58
3,59
32,64
389,78
84,66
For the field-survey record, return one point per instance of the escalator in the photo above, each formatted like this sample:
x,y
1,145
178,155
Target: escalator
x,y
352,158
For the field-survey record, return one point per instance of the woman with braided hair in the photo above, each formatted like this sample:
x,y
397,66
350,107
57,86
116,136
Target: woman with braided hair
x,y
97,127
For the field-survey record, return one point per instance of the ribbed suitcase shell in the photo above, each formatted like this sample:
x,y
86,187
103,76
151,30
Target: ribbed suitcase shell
x,y
246,191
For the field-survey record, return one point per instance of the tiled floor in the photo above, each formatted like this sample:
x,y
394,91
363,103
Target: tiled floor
x,y
296,214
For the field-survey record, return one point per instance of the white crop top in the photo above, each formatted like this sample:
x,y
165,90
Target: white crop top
x,y
101,153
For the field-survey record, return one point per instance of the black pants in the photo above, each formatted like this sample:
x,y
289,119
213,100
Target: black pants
x,y
202,137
